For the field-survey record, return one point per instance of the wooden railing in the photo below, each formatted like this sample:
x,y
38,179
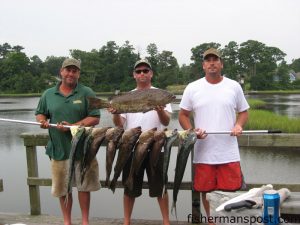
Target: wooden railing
x,y
32,140
1,185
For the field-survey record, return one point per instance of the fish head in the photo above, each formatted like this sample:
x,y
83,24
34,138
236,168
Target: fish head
x,y
159,135
99,131
133,132
114,134
109,134
187,137
147,136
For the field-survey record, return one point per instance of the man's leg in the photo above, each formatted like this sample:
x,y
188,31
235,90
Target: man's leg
x,y
206,206
66,208
128,203
84,202
164,208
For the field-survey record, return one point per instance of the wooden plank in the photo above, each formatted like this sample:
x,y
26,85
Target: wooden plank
x,y
247,140
291,205
270,140
1,185
32,171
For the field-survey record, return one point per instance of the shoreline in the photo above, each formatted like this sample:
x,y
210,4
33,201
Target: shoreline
x,y
267,92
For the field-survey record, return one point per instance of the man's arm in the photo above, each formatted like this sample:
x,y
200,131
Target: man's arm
x,y
241,120
163,115
41,118
118,120
88,121
185,122
184,119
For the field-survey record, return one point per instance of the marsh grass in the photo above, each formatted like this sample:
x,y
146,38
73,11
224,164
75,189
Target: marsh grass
x,y
265,120
256,103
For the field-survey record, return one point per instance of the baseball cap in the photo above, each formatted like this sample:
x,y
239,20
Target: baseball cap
x,y
71,62
211,51
142,61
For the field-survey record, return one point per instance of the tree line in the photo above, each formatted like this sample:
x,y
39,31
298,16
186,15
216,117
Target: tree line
x,y
109,68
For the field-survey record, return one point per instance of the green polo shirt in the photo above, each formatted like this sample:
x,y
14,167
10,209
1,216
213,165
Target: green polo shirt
x,y
57,108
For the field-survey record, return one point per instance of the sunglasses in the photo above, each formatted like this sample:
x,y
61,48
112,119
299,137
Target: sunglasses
x,y
145,71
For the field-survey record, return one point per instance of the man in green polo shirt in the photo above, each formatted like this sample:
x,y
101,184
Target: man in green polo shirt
x,y
66,104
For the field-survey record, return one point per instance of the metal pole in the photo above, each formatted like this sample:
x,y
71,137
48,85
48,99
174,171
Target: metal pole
x,y
246,132
31,122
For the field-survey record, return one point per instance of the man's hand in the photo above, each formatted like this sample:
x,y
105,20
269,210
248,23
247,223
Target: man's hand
x,y
236,130
61,127
44,124
200,133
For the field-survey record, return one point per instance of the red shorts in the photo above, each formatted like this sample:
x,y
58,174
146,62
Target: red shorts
x,y
227,177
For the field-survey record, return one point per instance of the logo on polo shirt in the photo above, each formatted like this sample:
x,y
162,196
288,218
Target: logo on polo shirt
x,y
77,101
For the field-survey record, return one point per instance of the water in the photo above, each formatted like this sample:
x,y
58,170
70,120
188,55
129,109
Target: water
x,y
282,104
256,166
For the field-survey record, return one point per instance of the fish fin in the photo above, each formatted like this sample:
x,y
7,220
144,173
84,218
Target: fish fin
x,y
106,183
174,208
129,183
112,185
163,191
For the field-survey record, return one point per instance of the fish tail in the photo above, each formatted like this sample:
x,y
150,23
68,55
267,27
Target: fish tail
x,y
129,183
163,191
97,103
174,208
112,185
82,175
106,182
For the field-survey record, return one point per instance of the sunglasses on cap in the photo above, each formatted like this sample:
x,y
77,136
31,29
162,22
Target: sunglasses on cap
x,y
145,71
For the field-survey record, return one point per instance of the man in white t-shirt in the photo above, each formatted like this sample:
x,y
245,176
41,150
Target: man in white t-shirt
x,y
159,118
217,104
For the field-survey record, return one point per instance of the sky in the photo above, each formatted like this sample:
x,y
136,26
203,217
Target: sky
x,y
53,27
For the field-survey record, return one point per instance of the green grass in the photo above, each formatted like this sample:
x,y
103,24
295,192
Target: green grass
x,y
265,120
256,103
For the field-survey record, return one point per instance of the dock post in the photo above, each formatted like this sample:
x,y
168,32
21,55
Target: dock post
x,y
34,190
1,185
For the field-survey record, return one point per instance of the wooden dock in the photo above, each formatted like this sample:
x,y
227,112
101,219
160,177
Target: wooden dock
x,y
11,218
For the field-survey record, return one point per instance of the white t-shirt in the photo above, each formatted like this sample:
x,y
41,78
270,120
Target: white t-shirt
x,y
146,120
214,107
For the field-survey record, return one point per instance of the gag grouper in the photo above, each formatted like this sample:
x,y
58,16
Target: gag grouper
x,y
170,139
128,140
78,134
187,140
139,154
112,136
159,141
134,101
97,137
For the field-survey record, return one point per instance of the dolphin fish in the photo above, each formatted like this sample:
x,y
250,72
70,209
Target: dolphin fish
x,y
171,137
187,140
78,134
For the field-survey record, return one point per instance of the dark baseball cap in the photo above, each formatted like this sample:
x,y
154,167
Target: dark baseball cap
x,y
71,62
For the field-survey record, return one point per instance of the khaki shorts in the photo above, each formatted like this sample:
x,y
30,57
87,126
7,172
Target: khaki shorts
x,y
60,170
